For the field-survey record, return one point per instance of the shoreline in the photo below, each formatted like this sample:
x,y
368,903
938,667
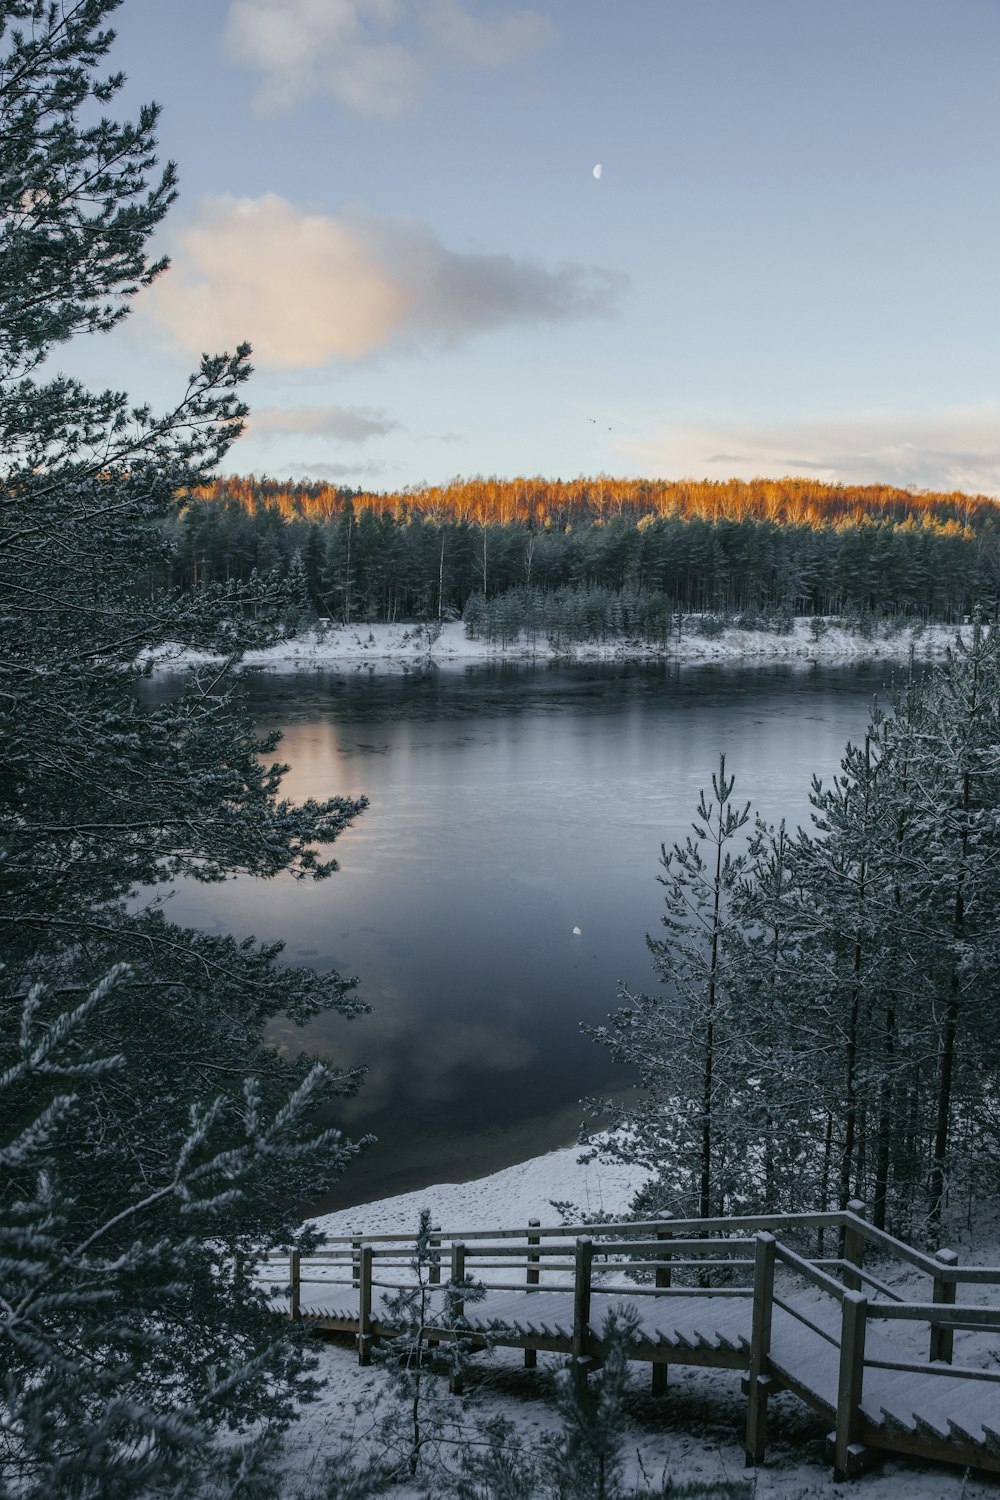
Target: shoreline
x,y
404,648
511,1195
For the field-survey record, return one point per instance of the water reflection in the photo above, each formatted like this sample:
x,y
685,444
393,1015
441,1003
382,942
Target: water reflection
x,y
508,807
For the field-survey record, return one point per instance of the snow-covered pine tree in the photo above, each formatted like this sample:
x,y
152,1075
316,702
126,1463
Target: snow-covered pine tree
x,y
421,1420
884,992
684,1044
778,1110
842,948
950,875
116,1257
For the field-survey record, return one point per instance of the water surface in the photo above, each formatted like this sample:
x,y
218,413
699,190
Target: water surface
x,y
509,805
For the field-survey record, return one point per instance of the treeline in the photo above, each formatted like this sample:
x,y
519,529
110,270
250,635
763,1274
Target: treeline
x,y
354,560
828,1026
556,503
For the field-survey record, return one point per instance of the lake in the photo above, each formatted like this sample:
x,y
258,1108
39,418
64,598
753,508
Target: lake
x,y
509,806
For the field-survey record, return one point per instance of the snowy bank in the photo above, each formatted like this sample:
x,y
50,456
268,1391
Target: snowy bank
x,y
509,1197
406,648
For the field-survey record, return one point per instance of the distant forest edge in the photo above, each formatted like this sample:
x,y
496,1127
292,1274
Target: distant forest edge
x,y
597,556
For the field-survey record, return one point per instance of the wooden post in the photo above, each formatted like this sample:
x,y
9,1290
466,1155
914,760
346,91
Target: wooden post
x,y
583,1265
943,1339
759,1378
658,1381
850,1382
854,1246
294,1287
458,1308
531,1280
365,1306
355,1263
458,1275
434,1269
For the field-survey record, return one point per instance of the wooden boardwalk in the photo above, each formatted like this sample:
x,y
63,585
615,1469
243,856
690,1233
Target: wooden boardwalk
x,y
738,1293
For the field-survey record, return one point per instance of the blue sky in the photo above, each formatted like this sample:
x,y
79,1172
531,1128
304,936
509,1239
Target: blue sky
x,y
789,263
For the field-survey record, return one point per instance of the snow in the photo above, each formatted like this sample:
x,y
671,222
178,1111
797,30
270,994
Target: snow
x,y
509,1197
695,1434
407,647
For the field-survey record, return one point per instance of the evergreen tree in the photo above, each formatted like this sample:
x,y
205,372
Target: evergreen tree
x,y
681,1042
152,1146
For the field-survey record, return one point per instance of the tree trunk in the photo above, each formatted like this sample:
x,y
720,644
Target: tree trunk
x,y
947,1059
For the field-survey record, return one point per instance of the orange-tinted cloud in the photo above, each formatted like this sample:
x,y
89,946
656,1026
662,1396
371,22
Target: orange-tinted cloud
x,y
310,289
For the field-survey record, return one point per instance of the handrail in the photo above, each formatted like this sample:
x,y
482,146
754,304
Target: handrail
x,y
948,1316
829,1219
619,1247
899,1248
752,1223
911,1367
809,1271
801,1317
972,1275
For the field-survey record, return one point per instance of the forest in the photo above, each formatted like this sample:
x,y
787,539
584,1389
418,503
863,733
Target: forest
x,y
832,1035
764,550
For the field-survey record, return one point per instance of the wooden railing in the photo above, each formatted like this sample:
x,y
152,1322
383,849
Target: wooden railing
x,y
856,1312
734,1257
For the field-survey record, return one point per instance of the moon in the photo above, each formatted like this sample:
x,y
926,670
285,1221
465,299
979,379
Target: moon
x,y
598,170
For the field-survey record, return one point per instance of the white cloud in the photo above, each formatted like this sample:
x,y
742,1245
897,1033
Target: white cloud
x,y
373,56
484,41
952,449
347,424
307,289
352,472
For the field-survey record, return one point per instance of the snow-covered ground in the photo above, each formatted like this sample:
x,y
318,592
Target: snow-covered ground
x,y
695,1434
511,1197
405,648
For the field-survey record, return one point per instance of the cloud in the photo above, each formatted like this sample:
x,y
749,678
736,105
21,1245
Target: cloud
x,y
308,289
355,471
952,449
348,424
374,56
484,41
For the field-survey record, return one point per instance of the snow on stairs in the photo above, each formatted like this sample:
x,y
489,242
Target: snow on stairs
x,y
929,1415
688,1330
923,1411
816,1335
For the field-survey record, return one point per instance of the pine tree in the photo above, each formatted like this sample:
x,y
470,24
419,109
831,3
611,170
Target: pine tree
x,y
952,882
151,1142
681,1042
414,1360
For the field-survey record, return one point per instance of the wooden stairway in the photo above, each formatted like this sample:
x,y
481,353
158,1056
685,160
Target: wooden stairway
x,y
725,1293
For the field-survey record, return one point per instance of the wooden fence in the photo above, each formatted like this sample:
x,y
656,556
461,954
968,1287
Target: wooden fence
x,y
726,1292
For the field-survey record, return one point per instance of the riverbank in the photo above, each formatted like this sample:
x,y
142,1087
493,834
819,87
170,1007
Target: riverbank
x,y
511,1196
412,647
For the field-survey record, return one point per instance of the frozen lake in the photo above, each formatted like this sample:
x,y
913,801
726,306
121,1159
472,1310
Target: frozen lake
x,y
509,805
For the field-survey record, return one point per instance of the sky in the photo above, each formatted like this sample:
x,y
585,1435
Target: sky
x,y
788,263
